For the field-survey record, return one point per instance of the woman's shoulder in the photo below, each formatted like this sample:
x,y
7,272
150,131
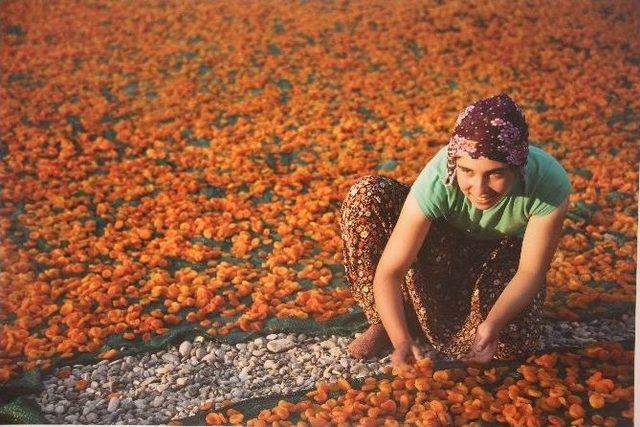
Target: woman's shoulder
x,y
545,174
541,163
437,165
435,168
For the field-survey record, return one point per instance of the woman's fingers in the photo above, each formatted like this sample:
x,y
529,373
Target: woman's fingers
x,y
477,357
417,354
397,359
403,353
469,356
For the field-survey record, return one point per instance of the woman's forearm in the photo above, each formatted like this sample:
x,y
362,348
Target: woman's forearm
x,y
520,291
387,294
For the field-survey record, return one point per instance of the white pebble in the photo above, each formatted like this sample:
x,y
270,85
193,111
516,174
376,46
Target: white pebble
x,y
280,345
185,348
114,402
170,357
157,401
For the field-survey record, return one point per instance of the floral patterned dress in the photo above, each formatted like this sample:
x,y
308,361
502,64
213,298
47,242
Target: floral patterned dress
x,y
453,282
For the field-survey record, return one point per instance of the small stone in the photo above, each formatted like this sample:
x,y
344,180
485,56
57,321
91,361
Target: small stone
x,y
244,374
200,353
140,403
114,402
283,370
170,357
60,409
185,348
92,417
327,344
280,345
336,352
165,369
181,381
270,364
157,401
70,419
358,370
271,337
324,360
148,381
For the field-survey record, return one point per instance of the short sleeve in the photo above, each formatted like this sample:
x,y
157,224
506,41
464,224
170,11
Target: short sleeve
x,y
551,189
430,192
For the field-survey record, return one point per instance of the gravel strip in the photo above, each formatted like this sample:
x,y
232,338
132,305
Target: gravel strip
x,y
172,383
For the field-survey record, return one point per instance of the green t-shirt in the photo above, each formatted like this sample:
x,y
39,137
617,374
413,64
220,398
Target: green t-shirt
x,y
547,185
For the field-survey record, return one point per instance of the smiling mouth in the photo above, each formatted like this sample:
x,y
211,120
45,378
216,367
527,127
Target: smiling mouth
x,y
483,200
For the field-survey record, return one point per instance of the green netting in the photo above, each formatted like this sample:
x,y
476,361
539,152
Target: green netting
x,y
28,383
595,310
21,410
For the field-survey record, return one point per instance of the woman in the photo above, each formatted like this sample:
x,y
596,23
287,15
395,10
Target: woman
x,y
465,250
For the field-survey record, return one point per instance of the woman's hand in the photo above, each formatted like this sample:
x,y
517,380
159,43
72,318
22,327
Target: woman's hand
x,y
484,345
403,353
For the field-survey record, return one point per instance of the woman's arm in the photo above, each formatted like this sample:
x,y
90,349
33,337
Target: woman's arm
x,y
540,242
538,247
399,253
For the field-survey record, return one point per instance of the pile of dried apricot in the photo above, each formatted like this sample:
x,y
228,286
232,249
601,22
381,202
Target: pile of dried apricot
x,y
181,163
549,389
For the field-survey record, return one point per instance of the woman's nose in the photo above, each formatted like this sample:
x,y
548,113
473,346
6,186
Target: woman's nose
x,y
481,185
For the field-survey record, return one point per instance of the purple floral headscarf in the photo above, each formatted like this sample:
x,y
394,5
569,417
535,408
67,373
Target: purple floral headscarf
x,y
494,128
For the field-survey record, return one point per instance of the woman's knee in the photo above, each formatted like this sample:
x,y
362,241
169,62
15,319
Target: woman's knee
x,y
365,185
371,190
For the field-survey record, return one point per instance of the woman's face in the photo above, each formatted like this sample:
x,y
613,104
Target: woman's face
x,y
483,181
